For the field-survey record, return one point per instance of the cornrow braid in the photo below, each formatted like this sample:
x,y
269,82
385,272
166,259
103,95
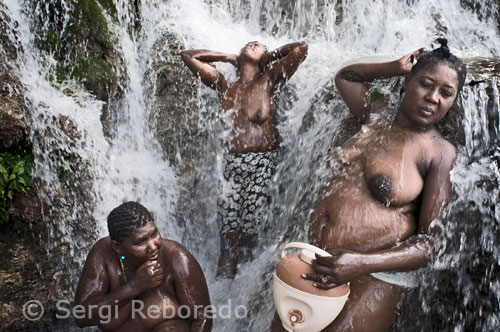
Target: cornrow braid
x,y
123,219
442,55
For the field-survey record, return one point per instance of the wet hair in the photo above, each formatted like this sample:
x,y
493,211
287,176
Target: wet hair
x,y
442,55
253,42
124,219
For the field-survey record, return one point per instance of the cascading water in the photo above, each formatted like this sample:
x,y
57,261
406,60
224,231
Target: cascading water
x,y
129,163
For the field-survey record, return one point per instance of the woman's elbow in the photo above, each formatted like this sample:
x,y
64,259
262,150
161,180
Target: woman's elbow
x,y
339,80
184,55
302,49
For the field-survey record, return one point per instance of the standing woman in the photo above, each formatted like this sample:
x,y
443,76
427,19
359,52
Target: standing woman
x,y
248,108
381,213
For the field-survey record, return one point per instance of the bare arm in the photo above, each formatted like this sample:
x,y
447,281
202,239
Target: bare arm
x,y
353,82
413,253
284,61
191,288
93,291
200,63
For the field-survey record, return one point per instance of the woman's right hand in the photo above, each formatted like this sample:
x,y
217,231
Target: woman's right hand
x,y
232,59
339,268
148,275
407,61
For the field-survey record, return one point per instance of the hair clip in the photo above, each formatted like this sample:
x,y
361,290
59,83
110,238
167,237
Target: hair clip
x,y
413,59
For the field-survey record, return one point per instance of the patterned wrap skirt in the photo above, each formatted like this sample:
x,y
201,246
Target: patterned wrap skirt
x,y
245,193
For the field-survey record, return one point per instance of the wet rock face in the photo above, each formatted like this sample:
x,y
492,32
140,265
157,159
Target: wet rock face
x,y
31,267
13,124
21,260
14,128
79,35
484,9
178,101
89,43
485,73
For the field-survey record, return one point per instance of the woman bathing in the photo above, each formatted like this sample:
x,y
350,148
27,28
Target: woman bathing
x,y
249,109
382,211
135,280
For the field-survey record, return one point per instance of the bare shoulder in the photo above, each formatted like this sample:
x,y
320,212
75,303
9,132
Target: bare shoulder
x,y
102,248
94,277
180,262
443,152
176,252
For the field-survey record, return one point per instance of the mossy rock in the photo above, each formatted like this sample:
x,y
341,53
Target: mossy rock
x,y
109,6
51,42
88,26
96,75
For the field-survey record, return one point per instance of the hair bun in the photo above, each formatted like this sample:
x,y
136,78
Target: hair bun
x,y
444,50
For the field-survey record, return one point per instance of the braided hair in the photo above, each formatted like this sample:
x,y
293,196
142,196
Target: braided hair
x,y
123,219
442,55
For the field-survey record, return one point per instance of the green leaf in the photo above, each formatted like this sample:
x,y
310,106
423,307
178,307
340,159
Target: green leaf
x,y
376,97
19,167
20,170
15,174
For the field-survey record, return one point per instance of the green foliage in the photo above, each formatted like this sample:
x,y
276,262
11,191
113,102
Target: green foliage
x,y
376,97
15,174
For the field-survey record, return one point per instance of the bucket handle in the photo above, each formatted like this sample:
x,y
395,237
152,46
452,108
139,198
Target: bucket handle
x,y
302,245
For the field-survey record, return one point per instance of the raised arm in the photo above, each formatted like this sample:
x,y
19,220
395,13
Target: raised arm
x,y
353,82
283,62
191,288
200,63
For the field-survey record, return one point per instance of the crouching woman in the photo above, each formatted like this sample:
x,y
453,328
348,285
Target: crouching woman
x,y
135,280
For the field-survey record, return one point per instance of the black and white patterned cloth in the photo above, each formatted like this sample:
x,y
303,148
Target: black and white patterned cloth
x,y
245,191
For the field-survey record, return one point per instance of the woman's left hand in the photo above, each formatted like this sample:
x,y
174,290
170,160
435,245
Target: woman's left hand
x,y
337,269
406,62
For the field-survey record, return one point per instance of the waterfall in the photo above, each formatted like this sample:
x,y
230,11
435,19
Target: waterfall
x,y
141,153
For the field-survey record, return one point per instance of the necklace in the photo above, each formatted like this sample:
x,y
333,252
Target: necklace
x,y
123,268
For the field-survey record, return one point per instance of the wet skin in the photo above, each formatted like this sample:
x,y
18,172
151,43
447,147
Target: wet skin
x,y
367,216
248,107
177,280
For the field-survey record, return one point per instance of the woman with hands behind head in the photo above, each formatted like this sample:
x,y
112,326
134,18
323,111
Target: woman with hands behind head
x,y
135,280
380,215
248,108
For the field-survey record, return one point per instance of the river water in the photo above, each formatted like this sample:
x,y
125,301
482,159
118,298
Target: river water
x,y
461,290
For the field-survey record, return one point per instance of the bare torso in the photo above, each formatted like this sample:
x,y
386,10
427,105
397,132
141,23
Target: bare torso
x,y
248,108
162,297
370,204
